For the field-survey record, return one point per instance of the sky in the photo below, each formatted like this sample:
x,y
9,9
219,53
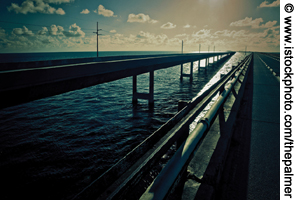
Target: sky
x,y
139,25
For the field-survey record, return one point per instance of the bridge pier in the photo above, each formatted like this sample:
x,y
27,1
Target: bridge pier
x,y
148,96
186,75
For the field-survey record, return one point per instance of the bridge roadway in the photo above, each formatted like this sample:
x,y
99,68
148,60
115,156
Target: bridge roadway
x,y
21,83
252,169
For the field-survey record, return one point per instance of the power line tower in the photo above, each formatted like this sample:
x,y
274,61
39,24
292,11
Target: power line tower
x,y
97,36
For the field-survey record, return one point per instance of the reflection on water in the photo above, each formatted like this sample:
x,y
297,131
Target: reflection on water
x,y
233,61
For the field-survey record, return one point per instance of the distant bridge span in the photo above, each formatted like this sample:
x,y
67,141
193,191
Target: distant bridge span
x,y
28,81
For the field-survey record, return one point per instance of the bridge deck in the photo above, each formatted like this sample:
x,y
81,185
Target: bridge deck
x,y
252,168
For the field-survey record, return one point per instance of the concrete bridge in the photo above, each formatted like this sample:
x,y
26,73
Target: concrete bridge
x,y
224,157
244,119
28,81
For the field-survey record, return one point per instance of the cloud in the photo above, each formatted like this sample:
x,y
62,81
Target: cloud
x,y
168,25
204,33
22,31
56,30
141,18
269,24
2,33
266,4
85,11
187,26
224,33
44,31
105,12
60,11
58,1
112,31
247,22
253,23
34,6
181,35
74,31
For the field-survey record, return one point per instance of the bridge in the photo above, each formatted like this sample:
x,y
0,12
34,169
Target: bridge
x,y
233,153
28,81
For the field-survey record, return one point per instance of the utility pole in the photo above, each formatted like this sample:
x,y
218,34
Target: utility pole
x,y
97,36
199,47
182,46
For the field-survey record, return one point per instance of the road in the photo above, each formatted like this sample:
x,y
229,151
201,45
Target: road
x,y
252,169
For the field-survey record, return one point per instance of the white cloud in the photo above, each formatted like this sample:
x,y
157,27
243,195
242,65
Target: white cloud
x,y
112,31
2,33
267,4
181,35
44,31
105,12
34,6
204,33
22,31
187,26
142,18
168,25
74,31
85,11
247,22
269,24
58,1
253,23
60,11
56,30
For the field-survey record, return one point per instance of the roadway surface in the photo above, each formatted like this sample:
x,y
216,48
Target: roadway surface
x,y
272,61
252,169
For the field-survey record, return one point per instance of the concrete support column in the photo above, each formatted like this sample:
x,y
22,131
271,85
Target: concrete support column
x,y
151,88
191,71
181,72
149,96
186,75
134,90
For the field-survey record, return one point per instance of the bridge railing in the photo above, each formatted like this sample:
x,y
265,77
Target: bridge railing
x,y
128,172
163,183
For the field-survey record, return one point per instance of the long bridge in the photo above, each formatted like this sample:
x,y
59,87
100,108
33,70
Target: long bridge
x,y
233,153
24,82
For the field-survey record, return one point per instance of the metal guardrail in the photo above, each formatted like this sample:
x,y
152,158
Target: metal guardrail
x,y
149,152
165,180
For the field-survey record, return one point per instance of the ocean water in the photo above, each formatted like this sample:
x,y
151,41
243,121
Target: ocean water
x,y
54,147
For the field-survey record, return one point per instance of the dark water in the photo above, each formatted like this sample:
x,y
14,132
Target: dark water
x,y
52,148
